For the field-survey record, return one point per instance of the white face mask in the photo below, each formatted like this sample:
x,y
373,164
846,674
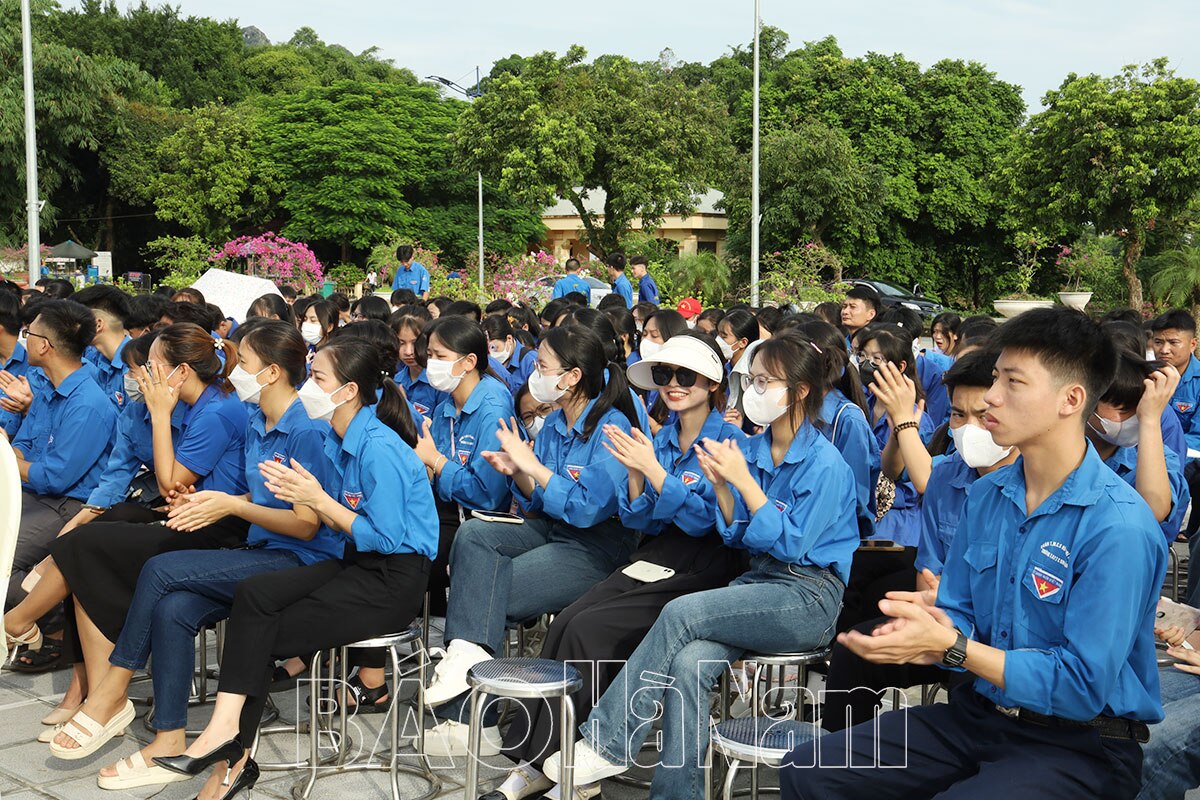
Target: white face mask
x,y
311,332
246,385
648,348
23,339
317,404
503,355
441,374
976,446
1121,434
535,427
133,392
726,348
544,388
763,409
691,323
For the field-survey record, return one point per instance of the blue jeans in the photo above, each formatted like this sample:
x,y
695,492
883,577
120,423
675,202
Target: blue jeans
x,y
773,608
178,594
1171,762
503,574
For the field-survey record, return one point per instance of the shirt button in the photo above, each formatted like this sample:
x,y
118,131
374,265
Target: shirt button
x,y
1021,529
1012,580
1003,634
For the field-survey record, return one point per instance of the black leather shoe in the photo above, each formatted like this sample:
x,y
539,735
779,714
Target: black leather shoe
x,y
231,752
245,780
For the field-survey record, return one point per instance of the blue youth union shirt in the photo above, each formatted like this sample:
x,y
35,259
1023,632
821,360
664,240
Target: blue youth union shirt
x,y
67,434
295,436
420,393
383,482
902,523
647,290
845,425
941,509
16,365
212,441
462,436
623,287
134,446
110,373
809,516
588,482
1068,591
1124,463
571,283
415,277
688,499
1184,401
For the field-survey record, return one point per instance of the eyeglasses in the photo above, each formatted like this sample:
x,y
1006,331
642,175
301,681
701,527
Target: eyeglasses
x,y
662,374
541,411
356,316
759,382
877,359
40,336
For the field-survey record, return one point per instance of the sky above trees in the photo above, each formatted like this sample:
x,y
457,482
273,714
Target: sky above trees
x,y
1032,44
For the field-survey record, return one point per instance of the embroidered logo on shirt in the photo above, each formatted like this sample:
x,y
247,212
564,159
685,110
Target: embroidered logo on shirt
x,y
1046,583
574,472
689,478
1183,406
782,506
463,455
466,440
120,398
421,408
280,458
352,499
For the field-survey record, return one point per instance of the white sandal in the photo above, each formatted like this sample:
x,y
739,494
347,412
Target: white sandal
x,y
31,638
90,735
58,716
133,772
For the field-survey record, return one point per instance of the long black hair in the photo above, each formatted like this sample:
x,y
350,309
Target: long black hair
x,y
841,373
603,380
356,360
460,335
270,305
379,335
600,324
278,342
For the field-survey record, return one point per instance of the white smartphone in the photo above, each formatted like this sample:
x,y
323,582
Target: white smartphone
x,y
1171,614
497,516
646,572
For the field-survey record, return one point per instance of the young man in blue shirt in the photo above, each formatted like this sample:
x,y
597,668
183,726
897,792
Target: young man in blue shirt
x,y
571,282
1048,598
647,288
410,274
110,307
620,283
64,440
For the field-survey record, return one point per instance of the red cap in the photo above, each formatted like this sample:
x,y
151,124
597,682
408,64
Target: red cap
x,y
689,307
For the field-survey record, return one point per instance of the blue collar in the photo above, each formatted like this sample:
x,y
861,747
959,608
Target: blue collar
x,y
116,360
357,429
1192,371
759,450
293,413
560,423
1123,457
961,476
474,399
711,429
208,395
73,381
19,356
1083,487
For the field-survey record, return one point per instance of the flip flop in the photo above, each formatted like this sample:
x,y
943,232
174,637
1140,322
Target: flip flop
x,y
47,658
90,735
133,772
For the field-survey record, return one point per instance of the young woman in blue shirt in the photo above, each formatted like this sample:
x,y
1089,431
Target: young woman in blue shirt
x,y
785,496
569,487
179,593
408,323
378,495
674,506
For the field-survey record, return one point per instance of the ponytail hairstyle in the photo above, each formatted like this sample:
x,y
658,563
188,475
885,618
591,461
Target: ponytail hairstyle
x,y
271,306
377,334
603,380
188,343
626,328
460,335
742,324
276,342
598,323
895,343
358,361
797,361
839,372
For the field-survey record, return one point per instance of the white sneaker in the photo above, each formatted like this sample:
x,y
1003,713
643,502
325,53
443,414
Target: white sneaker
x,y
590,766
450,675
450,738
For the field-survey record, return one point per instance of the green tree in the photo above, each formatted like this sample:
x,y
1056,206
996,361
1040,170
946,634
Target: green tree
x,y
1116,153
1176,279
814,187
550,126
210,179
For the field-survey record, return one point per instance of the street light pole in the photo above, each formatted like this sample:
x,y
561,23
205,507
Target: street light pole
x,y
754,176
479,174
32,206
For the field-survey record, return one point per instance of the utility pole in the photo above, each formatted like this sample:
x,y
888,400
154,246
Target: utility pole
x,y
754,176
32,207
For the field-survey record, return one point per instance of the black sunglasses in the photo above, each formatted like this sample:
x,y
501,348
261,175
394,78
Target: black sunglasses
x,y
661,374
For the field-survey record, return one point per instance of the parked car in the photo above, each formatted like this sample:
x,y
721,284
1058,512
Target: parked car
x,y
892,295
598,287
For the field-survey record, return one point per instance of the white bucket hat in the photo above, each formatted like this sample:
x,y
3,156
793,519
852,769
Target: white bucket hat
x,y
679,351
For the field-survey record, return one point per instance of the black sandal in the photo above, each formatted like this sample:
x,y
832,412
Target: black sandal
x,y
368,701
48,659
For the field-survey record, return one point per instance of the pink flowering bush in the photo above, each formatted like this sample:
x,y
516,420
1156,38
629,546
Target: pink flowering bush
x,y
272,257
520,281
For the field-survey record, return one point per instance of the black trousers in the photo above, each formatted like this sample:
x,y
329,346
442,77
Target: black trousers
x,y
609,622
961,750
873,574
295,612
102,560
854,686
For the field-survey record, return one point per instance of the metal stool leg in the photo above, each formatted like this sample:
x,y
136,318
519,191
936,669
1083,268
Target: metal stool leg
x,y
314,726
730,777
474,740
566,745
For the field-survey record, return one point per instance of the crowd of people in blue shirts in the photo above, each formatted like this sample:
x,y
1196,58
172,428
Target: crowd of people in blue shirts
x,y
672,488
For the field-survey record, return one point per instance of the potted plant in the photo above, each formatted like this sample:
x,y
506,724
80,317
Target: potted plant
x,y
1073,263
1020,300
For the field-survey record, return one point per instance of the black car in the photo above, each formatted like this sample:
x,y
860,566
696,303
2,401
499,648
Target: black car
x,y
890,295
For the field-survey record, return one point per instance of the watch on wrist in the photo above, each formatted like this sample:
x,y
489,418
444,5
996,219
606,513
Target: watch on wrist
x,y
956,654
